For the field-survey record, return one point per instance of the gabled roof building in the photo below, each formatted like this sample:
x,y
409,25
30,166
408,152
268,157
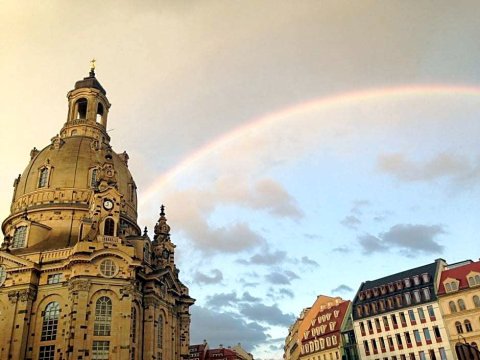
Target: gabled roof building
x,y
459,298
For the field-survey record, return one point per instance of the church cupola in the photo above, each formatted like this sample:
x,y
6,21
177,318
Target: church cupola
x,y
87,109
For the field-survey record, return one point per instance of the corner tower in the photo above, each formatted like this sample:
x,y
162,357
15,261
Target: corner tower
x,y
73,254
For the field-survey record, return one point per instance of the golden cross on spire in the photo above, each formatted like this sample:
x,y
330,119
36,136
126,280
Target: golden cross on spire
x,y
92,64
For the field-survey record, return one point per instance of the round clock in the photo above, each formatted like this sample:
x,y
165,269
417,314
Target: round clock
x,y
108,204
165,254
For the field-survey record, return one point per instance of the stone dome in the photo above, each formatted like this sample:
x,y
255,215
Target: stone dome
x,y
61,180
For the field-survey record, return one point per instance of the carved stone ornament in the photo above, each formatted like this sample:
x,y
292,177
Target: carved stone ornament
x,y
22,295
79,285
57,142
127,290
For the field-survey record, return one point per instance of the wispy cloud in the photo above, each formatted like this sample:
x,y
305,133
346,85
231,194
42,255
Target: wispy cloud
x,y
202,278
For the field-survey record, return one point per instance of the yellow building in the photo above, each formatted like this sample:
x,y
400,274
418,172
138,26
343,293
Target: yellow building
x,y
78,279
459,298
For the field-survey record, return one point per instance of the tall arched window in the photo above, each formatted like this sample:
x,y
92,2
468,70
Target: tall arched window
x,y
476,301
50,321
458,326
43,178
461,304
160,332
81,108
468,326
109,227
19,237
452,306
103,317
99,112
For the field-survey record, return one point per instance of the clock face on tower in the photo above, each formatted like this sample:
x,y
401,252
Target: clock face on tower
x,y
108,204
165,254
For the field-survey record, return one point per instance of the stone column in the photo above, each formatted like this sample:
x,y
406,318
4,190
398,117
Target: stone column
x,y
21,301
149,343
78,331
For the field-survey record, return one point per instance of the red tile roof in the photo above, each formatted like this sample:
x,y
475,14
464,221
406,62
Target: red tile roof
x,y
459,273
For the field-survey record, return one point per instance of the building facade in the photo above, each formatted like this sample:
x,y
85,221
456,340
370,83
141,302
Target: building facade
x,y
398,317
78,278
323,339
459,299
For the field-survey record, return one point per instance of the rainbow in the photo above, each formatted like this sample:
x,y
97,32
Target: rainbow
x,y
336,101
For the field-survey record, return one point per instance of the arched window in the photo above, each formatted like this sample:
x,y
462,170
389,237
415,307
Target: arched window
x,y
468,326
43,178
74,132
453,307
458,326
476,301
160,332
99,112
103,317
461,304
50,321
109,227
81,108
19,237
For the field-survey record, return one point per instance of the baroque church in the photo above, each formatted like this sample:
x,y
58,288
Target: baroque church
x,y
78,278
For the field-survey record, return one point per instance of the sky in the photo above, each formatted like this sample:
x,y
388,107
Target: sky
x,y
300,147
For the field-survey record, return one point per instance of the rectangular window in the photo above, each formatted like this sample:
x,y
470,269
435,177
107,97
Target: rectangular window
x,y
436,332
47,352
412,356
431,352
421,314
100,350
431,312
377,325
411,315
421,354
443,354
374,345
53,279
426,293
390,342
385,323
426,333
394,320
370,327
382,343
403,357
403,320
408,339
418,339
365,346
399,340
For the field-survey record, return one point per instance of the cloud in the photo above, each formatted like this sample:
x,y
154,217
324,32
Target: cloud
x,y
351,222
409,238
286,293
307,261
458,168
342,249
222,300
249,298
342,289
266,258
225,328
194,206
278,278
202,278
358,206
271,315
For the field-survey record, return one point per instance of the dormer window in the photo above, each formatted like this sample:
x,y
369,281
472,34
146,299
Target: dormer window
x,y
81,108
426,278
391,287
43,177
451,285
361,295
416,280
375,291
19,237
407,282
383,289
474,279
398,285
